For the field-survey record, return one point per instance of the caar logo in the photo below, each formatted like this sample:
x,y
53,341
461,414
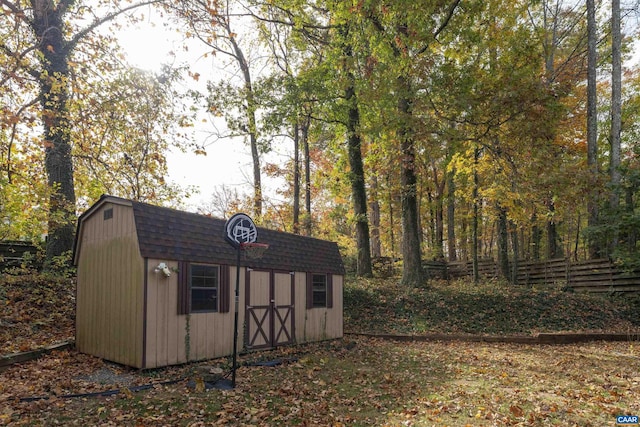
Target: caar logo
x,y
626,420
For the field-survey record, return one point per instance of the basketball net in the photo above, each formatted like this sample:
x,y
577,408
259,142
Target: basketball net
x,y
254,250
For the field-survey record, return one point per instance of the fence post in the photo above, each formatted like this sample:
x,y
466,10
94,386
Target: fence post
x,y
611,267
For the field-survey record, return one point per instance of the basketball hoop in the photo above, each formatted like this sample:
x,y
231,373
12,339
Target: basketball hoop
x,y
254,250
241,233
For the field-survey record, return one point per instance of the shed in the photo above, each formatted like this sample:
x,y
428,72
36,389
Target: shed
x,y
130,312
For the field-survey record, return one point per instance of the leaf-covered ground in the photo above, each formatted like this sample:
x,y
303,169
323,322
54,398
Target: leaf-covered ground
x,y
360,381
354,381
488,308
36,310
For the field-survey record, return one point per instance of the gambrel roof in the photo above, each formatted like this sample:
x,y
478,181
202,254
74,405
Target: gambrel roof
x,y
171,234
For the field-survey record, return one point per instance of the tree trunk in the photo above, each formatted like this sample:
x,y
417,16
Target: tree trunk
x,y
48,25
356,174
431,223
536,238
516,252
358,190
503,243
439,215
296,179
551,45
251,108
451,217
474,224
439,246
411,253
392,221
464,230
374,208
487,246
616,106
592,125
307,176
552,232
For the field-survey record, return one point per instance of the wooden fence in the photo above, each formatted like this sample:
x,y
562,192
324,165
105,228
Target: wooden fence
x,y
487,267
13,251
600,275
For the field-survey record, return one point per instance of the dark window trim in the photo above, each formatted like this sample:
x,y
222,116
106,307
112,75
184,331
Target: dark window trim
x,y
328,290
184,288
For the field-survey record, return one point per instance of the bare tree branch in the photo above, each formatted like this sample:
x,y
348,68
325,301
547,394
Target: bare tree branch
x,y
82,33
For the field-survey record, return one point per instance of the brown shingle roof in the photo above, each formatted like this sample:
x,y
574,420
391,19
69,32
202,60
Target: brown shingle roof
x,y
171,234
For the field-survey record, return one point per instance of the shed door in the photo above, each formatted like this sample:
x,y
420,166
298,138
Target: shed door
x,y
269,309
283,315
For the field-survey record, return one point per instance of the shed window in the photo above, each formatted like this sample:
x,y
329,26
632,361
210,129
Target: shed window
x,y
319,289
202,288
205,280
107,214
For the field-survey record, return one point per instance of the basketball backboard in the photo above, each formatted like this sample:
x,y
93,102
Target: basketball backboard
x,y
240,229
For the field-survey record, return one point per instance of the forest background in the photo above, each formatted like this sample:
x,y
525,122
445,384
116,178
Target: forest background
x,y
431,129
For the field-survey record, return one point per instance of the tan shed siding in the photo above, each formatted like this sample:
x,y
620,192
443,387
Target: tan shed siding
x,y
110,291
317,324
337,312
210,335
300,299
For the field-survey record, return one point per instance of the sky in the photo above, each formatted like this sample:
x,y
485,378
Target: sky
x,y
228,161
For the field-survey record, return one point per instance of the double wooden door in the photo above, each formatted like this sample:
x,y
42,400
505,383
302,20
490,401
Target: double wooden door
x,y
269,315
